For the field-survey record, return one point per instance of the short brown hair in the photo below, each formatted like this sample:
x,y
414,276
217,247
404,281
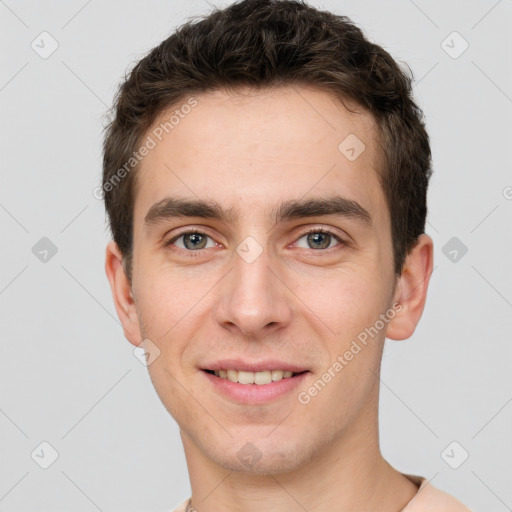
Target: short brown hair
x,y
265,43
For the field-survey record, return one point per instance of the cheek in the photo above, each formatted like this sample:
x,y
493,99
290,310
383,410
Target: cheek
x,y
166,298
344,300
173,307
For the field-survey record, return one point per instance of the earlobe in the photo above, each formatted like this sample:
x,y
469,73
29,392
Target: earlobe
x,y
411,289
122,294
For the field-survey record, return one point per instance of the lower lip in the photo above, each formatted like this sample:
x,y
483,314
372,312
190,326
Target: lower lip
x,y
255,393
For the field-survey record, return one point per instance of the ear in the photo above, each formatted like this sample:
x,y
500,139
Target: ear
x,y
122,294
411,289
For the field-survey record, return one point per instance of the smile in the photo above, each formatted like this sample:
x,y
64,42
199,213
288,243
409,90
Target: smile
x,y
254,388
258,378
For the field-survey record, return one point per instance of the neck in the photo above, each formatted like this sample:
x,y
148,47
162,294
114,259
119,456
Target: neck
x,y
348,474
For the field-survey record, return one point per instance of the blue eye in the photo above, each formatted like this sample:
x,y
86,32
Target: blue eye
x,y
192,240
315,239
319,239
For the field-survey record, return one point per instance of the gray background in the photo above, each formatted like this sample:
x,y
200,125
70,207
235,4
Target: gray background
x,y
68,376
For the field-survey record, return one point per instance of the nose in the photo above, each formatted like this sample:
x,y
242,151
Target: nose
x,y
254,301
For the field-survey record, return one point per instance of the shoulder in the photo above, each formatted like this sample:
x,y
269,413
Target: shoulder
x,y
431,499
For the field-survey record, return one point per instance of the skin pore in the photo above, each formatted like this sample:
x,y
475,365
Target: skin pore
x,y
303,300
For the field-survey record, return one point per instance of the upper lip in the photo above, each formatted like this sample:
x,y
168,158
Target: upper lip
x,y
257,366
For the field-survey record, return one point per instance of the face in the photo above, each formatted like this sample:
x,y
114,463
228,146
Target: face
x,y
262,244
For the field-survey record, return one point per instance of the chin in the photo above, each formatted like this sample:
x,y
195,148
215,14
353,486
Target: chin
x,y
260,455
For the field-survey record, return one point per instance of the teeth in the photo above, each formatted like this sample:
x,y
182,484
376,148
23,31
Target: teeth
x,y
263,377
277,374
243,377
246,377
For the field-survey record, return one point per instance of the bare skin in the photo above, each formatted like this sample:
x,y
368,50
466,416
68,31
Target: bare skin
x,y
296,302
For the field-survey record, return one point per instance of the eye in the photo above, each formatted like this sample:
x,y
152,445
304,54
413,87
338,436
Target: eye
x,y
319,239
191,240
315,239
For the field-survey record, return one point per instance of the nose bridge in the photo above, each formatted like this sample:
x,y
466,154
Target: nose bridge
x,y
253,297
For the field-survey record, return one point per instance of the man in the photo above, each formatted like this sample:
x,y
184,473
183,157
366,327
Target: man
x,y
265,177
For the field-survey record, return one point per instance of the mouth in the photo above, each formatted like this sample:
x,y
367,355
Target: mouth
x,y
259,378
254,387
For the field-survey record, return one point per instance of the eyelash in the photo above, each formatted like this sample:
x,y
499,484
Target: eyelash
x,y
313,230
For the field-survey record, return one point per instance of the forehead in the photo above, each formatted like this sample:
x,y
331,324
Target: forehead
x,y
258,148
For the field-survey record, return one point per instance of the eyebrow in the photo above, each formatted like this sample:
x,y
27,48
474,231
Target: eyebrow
x,y
173,207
